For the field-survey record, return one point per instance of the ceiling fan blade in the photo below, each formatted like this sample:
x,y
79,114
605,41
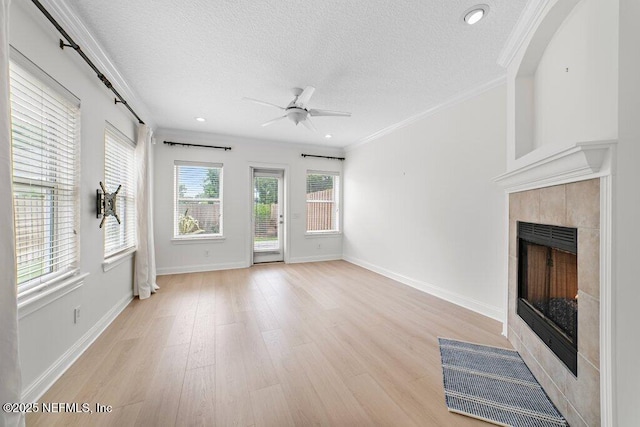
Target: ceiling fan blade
x,y
305,96
308,124
328,113
273,121
268,104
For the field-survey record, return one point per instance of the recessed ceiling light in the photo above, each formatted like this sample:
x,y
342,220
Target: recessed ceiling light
x,y
328,136
200,119
476,13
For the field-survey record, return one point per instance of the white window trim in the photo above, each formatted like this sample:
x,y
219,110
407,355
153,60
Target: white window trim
x,y
336,201
118,258
36,298
197,238
314,234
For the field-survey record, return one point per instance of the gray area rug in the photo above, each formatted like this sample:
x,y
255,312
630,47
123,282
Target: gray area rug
x,y
494,385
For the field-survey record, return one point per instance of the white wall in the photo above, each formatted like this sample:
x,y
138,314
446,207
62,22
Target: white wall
x,y
626,268
235,250
49,339
421,205
580,104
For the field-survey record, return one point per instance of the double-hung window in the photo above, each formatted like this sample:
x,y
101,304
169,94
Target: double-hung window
x,y
45,130
198,200
119,169
323,202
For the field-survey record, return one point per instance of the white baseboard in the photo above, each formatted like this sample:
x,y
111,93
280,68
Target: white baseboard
x,y
199,268
316,258
453,297
36,389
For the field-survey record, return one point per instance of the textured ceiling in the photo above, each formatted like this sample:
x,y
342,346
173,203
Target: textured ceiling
x,y
383,61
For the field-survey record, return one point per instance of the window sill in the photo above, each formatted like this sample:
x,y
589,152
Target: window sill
x,y
115,260
34,301
191,240
312,235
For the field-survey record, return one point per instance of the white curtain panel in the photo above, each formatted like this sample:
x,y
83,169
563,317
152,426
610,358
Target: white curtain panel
x,y
145,281
10,375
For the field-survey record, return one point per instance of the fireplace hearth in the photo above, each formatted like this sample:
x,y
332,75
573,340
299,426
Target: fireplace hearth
x,y
548,286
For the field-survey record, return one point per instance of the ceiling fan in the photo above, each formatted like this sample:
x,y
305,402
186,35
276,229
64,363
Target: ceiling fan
x,y
297,109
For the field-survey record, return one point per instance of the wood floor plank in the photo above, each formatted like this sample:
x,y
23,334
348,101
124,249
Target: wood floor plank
x,y
224,311
207,297
270,407
202,351
425,390
255,356
197,400
343,407
134,378
160,406
241,283
182,328
300,274
377,403
288,320
304,402
393,380
233,401
110,373
260,309
325,343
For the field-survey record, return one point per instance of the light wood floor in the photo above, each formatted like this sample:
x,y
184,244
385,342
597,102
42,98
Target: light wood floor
x,y
273,345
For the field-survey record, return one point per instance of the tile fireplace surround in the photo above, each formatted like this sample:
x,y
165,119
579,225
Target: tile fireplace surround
x,y
575,204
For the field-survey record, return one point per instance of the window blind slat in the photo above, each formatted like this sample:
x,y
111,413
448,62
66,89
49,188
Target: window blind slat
x,y
45,148
119,169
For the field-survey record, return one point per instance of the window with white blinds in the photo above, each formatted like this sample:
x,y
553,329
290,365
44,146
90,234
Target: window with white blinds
x,y
119,169
198,199
45,130
322,202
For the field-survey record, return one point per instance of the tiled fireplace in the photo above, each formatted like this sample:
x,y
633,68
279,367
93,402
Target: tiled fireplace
x,y
573,206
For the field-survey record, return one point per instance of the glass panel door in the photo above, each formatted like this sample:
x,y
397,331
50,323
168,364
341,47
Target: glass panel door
x,y
268,216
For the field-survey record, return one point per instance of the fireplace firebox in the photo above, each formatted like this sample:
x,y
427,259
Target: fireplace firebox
x,y
548,287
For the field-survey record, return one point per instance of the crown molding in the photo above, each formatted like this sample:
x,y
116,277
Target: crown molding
x,y
431,111
72,24
524,26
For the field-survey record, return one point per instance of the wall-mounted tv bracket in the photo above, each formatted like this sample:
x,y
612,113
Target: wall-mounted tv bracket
x,y
106,204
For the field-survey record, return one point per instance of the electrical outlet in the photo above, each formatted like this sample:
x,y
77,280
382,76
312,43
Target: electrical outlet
x,y
76,314
207,252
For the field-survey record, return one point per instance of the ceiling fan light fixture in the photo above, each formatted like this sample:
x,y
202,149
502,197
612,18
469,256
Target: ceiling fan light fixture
x,y
297,110
474,14
297,115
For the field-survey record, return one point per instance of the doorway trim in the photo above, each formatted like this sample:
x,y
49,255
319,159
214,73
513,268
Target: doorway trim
x,y
286,240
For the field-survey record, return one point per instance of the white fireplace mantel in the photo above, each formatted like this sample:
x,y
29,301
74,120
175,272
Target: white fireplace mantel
x,y
555,165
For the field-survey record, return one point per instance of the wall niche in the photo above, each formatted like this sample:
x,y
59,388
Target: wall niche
x,y
565,85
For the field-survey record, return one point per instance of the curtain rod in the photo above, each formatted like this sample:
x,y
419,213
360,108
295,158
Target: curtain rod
x,y
74,45
322,157
184,144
